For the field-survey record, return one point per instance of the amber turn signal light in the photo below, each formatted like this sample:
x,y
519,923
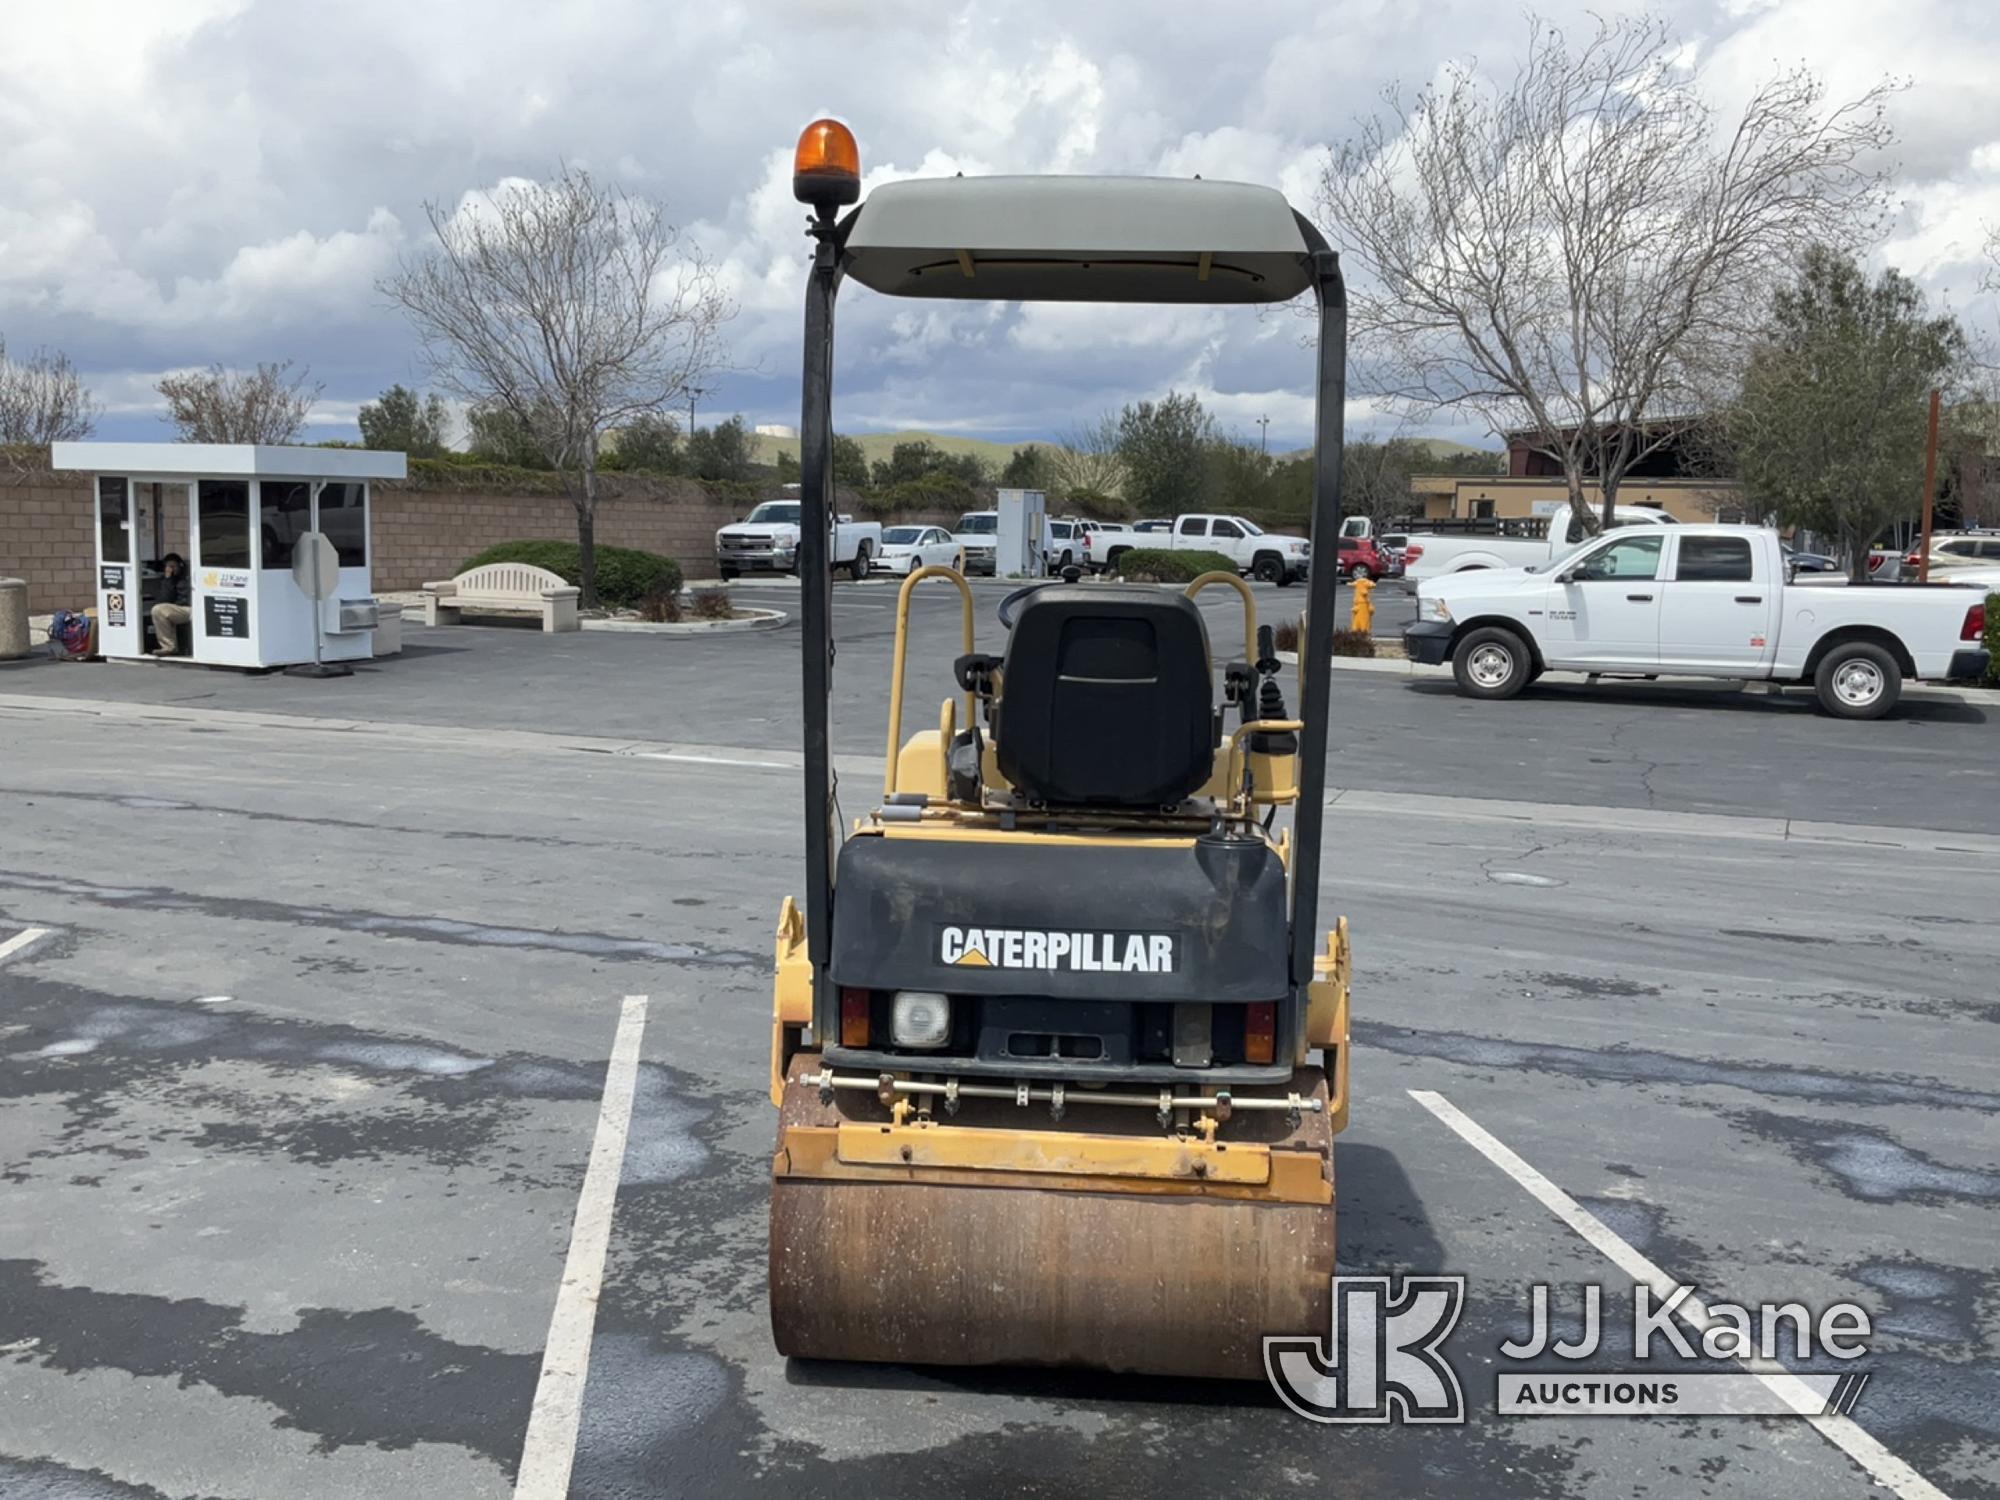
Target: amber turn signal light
x,y
826,168
854,1005
1260,1032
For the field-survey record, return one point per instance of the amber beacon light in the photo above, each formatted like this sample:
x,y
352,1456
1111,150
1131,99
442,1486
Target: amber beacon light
x,y
826,169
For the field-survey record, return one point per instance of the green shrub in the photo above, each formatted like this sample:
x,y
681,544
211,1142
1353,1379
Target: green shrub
x,y
1993,639
1153,565
625,575
939,492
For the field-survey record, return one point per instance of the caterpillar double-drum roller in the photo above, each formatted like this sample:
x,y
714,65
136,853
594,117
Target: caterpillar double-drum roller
x,y
1059,1046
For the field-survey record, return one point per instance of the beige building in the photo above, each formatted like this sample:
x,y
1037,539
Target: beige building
x,y
1440,497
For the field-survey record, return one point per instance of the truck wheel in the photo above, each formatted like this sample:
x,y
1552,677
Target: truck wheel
x,y
725,573
1360,571
1492,663
1268,568
858,569
1858,681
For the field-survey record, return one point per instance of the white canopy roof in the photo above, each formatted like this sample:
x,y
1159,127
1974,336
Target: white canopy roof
x,y
227,461
1087,239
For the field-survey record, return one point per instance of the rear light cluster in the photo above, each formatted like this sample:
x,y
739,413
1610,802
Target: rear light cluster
x,y
921,1021
1412,552
1975,623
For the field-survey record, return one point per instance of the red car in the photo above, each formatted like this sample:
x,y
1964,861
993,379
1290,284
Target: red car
x,y
1359,557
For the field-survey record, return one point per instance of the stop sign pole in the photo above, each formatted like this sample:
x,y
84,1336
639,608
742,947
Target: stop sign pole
x,y
316,570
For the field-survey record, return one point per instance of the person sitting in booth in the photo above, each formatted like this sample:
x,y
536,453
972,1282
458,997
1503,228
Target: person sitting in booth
x,y
172,611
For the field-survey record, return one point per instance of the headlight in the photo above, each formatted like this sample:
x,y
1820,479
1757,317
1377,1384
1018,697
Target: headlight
x,y
1298,546
1439,609
920,1018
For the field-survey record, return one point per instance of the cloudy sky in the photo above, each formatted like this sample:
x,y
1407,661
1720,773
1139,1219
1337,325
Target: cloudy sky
x,y
188,181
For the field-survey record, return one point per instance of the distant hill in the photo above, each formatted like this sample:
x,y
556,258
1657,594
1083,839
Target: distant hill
x,y
1436,447
877,445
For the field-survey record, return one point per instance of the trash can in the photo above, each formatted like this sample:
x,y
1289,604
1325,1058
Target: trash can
x,y
388,630
13,618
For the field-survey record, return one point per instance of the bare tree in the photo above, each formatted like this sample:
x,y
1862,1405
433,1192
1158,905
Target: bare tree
x,y
1580,256
43,399
266,405
1085,459
572,307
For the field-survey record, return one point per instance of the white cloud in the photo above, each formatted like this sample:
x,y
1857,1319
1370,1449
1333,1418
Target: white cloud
x,y
198,180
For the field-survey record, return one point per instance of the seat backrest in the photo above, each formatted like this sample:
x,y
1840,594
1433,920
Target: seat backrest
x,y
1106,698
524,580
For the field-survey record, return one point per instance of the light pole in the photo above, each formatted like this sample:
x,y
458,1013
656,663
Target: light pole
x,y
1264,436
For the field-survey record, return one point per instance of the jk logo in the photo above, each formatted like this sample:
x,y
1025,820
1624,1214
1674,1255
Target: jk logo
x,y
1379,1362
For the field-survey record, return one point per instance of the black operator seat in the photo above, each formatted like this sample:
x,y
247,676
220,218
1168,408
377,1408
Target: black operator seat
x,y
1105,698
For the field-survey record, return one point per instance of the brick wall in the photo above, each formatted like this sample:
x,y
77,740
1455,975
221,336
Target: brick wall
x,y
45,524
421,532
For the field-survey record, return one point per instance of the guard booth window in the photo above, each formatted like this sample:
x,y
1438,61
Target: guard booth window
x,y
287,516
113,540
343,519
1713,559
224,509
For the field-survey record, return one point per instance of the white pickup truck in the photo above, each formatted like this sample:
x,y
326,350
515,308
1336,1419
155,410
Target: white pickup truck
x,y
1267,555
1696,601
767,541
1430,554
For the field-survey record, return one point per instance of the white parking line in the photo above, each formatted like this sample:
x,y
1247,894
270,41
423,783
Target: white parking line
x,y
712,760
550,1447
25,938
1843,1432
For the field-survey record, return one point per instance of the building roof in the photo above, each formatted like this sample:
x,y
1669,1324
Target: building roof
x,y
1080,239
227,461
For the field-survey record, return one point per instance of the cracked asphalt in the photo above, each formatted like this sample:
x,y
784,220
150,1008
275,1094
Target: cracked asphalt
x,y
297,1095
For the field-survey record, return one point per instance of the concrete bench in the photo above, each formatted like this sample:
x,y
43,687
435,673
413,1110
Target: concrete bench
x,y
506,588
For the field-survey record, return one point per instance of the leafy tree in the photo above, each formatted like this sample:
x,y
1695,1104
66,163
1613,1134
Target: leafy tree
x,y
920,458
402,422
1163,447
1829,430
497,436
1028,469
721,452
651,440
850,464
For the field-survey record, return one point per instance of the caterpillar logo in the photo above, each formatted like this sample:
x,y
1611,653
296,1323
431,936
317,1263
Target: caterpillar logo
x,y
1034,948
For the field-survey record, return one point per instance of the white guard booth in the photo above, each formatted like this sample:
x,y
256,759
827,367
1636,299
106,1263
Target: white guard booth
x,y
235,512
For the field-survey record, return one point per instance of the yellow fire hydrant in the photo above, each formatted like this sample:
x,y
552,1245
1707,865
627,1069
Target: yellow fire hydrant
x,y
1364,607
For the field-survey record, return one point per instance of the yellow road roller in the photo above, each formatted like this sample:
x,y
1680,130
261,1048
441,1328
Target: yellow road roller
x,y
1059,1047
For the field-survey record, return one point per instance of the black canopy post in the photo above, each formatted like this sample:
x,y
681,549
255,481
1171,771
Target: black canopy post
x,y
1316,650
815,612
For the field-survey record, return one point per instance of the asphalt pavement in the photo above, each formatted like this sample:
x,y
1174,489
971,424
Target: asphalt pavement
x,y
308,992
